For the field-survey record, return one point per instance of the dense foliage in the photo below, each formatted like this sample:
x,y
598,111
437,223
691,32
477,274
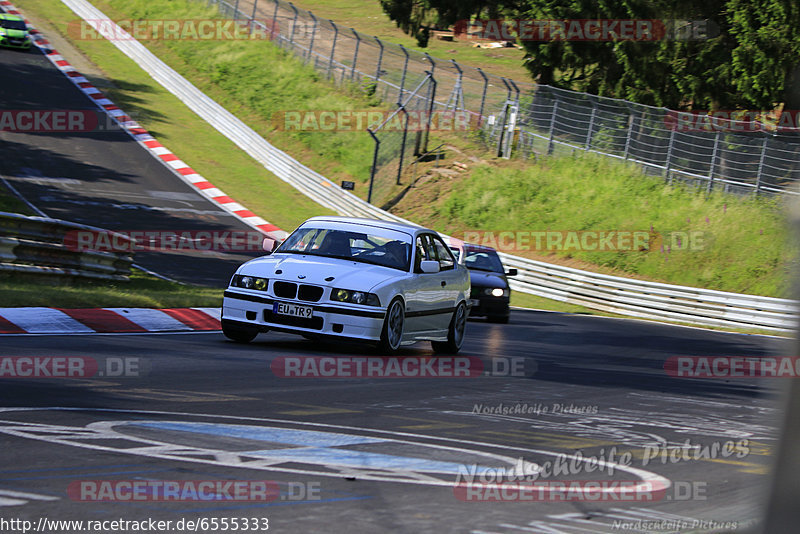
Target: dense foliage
x,y
732,54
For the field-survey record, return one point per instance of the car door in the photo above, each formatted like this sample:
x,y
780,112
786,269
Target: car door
x,y
451,277
427,309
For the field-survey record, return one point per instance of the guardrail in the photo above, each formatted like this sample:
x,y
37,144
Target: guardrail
x,y
36,245
652,300
624,296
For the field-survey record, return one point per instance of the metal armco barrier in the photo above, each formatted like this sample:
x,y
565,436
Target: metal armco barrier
x,y
652,300
624,296
35,245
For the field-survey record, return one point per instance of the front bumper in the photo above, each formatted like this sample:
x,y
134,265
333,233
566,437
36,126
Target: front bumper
x,y
343,320
23,44
487,306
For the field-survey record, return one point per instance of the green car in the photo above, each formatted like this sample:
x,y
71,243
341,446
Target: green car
x,y
14,32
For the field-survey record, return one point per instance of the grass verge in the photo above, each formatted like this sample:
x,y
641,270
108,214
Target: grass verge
x,y
142,291
722,241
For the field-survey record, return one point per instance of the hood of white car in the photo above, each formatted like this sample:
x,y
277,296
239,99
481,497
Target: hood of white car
x,y
309,269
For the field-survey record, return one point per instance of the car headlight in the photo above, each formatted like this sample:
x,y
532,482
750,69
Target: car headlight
x,y
355,297
496,292
249,282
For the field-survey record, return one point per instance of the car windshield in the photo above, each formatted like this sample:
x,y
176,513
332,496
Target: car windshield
x,y
385,250
483,260
13,24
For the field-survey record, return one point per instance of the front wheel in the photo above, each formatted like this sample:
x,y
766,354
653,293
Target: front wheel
x,y
238,334
393,325
455,333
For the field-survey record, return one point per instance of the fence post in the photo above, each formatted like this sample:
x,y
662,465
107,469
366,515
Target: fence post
x,y
275,23
236,10
374,164
668,163
380,61
502,126
333,46
761,163
483,96
294,23
457,89
355,54
631,122
552,124
402,146
713,163
313,34
433,64
587,145
253,17
403,77
431,103
512,122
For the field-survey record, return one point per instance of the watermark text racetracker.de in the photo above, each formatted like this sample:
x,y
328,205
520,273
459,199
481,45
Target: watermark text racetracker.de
x,y
399,367
359,120
512,241
146,490
727,367
128,241
56,121
588,30
583,490
171,30
71,367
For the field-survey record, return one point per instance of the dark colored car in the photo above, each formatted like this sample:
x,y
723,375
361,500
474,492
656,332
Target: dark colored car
x,y
490,293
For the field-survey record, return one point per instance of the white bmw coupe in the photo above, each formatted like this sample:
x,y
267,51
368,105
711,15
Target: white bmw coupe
x,y
362,279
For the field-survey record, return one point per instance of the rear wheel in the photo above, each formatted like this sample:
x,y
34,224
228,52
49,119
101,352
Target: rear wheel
x,y
238,333
393,325
455,333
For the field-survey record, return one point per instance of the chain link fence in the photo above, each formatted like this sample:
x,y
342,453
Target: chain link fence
x,y
522,117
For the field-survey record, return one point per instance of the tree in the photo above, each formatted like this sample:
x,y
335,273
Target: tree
x,y
731,54
766,60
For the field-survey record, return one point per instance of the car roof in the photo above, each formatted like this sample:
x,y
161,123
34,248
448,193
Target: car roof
x,y
472,247
6,16
410,229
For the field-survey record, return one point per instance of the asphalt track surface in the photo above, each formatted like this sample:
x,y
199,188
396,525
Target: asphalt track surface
x,y
350,454
104,177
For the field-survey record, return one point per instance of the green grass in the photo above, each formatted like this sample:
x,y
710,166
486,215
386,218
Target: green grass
x,y
10,203
142,291
370,19
744,239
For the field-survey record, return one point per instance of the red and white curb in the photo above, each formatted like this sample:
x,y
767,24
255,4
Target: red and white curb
x,y
36,320
181,169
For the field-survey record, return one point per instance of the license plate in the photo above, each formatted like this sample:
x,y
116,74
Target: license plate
x,y
295,310
474,302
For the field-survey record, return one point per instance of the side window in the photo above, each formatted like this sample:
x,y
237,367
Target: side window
x,y
446,261
421,252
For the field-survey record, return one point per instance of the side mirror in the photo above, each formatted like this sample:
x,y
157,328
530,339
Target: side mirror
x,y
269,245
511,272
429,266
